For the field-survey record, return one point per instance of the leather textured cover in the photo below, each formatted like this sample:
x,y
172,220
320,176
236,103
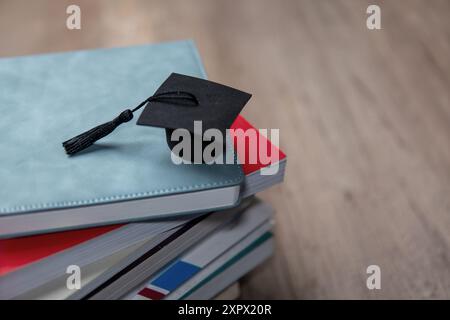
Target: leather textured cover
x,y
46,99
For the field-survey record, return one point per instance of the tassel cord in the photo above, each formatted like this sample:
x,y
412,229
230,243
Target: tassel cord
x,y
88,138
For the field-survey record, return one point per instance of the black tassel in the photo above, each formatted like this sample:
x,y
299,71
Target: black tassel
x,y
86,139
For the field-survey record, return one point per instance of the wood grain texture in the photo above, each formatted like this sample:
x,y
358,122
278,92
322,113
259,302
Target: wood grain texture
x,y
364,118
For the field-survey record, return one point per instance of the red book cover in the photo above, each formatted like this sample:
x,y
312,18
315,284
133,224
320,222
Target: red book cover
x,y
18,252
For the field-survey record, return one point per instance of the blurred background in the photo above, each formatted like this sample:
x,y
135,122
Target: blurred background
x,y
364,117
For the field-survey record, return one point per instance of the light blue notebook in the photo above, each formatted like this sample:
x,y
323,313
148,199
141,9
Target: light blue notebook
x,y
46,99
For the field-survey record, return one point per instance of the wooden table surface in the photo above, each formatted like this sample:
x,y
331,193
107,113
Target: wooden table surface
x,y
364,117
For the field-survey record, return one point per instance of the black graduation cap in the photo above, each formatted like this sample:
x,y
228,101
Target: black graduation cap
x,y
177,103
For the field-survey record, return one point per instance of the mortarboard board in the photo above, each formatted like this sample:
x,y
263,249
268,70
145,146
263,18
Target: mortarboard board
x,y
177,104
217,107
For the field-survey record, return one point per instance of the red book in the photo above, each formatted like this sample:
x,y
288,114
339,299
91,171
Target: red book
x,y
18,252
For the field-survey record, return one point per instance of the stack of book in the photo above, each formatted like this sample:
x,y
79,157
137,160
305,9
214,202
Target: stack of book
x,y
120,220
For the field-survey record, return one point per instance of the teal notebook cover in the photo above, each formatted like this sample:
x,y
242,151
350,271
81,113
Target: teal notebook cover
x,y
47,99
